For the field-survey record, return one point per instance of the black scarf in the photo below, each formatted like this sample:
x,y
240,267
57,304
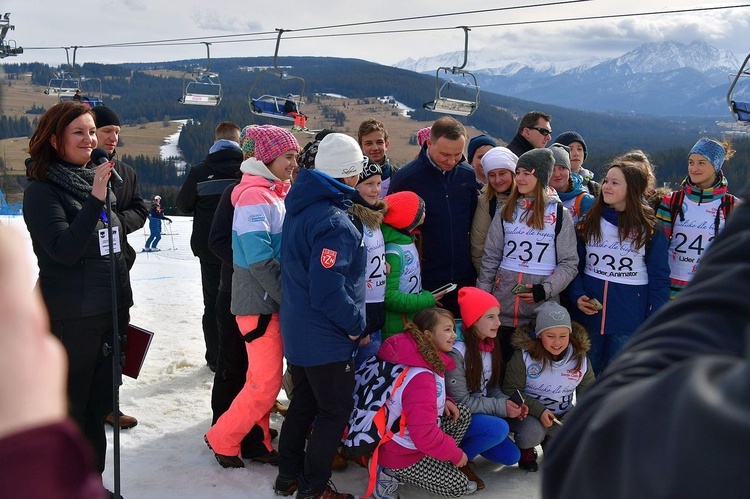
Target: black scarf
x,y
77,180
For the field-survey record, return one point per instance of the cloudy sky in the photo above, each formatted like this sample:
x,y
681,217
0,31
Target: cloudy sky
x,y
43,25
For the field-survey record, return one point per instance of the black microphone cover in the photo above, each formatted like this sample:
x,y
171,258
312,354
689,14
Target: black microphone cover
x,y
100,156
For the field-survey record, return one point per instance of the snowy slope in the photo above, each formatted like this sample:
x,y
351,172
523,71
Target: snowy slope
x,y
164,456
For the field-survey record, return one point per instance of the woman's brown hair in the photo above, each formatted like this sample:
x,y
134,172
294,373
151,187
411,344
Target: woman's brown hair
x,y
473,361
637,221
52,124
538,205
427,320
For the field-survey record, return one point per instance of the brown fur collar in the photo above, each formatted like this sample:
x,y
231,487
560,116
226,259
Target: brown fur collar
x,y
372,217
522,339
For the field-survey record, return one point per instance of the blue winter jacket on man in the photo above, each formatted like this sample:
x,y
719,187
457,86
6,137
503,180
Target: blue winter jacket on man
x,y
450,201
322,272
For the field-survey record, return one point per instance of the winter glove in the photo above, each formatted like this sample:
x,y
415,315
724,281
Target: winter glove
x,y
260,326
537,290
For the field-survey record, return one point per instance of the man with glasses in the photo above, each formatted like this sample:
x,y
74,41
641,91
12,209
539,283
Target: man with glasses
x,y
534,131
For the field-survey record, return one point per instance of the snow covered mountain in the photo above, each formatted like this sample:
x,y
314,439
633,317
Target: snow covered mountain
x,y
668,78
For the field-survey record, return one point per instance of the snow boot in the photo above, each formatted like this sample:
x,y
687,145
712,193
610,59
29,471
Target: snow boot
x,y
466,470
225,461
528,460
285,485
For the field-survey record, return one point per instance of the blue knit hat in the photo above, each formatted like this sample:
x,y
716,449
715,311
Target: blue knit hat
x,y
566,138
711,150
479,141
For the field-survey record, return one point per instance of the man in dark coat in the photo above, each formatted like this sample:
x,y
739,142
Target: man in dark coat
x,y
534,131
129,205
199,196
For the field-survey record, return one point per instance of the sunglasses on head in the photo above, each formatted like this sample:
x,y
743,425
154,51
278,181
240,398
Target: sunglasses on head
x,y
541,130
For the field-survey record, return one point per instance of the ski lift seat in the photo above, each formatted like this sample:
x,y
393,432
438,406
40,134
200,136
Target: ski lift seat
x,y
201,99
270,105
456,107
742,111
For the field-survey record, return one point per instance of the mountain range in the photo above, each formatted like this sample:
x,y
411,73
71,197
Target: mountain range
x,y
665,79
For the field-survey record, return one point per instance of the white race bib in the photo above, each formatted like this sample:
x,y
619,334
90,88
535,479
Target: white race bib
x,y
692,237
615,261
527,249
375,271
411,276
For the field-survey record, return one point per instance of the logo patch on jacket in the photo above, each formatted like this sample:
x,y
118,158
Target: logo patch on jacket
x,y
328,258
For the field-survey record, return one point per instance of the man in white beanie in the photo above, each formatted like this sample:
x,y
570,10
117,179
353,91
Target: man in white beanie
x,y
322,314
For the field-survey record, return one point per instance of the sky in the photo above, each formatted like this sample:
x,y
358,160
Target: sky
x,y
52,24
165,456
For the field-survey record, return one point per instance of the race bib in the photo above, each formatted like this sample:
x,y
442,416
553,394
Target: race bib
x,y
692,237
527,249
615,261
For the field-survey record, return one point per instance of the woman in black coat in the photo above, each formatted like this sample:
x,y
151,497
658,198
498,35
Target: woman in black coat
x,y
63,208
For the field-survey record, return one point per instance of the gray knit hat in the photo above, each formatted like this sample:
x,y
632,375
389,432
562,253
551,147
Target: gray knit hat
x,y
551,314
540,162
561,154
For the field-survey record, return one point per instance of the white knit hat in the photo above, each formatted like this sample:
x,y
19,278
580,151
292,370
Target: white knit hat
x,y
499,157
339,156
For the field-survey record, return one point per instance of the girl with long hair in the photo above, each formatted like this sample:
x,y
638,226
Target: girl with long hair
x,y
529,256
623,273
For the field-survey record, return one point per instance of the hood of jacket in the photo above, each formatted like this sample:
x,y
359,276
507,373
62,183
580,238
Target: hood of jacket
x,y
522,340
578,188
370,215
256,167
392,235
253,181
402,349
312,186
225,161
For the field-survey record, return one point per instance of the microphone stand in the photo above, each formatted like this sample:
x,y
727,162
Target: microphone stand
x,y
117,358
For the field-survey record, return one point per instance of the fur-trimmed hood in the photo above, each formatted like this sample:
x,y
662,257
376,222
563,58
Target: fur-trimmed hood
x,y
522,339
371,216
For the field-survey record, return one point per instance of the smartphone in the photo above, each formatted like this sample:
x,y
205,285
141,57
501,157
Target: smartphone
x,y
596,303
517,398
446,287
520,288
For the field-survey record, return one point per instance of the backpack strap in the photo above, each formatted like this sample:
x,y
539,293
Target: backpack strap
x,y
493,207
558,225
675,208
577,204
380,421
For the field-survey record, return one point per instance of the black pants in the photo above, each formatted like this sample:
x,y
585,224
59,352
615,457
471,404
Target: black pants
x,y
90,373
322,394
505,335
231,369
210,276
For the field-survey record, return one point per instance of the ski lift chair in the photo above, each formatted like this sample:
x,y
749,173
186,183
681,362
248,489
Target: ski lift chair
x,y
201,89
446,101
739,109
63,86
459,94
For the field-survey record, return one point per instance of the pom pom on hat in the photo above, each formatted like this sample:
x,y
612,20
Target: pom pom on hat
x,y
423,135
499,157
370,169
550,314
405,210
562,155
474,303
339,156
566,138
272,141
711,150
479,141
540,162
104,116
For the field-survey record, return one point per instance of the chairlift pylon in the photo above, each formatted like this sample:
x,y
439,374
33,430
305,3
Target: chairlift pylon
x,y
201,86
7,48
459,94
739,109
286,108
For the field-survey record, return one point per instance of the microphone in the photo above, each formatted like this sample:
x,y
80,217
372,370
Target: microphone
x,y
99,156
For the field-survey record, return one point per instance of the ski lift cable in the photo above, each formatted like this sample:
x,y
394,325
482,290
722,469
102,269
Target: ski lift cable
x,y
154,43
167,42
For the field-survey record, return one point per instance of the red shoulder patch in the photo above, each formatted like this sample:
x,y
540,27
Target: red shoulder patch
x,y
327,258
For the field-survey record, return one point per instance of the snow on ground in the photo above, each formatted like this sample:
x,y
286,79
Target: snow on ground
x,y
165,456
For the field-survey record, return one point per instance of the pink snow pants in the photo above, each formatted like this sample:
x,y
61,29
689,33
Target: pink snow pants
x,y
253,404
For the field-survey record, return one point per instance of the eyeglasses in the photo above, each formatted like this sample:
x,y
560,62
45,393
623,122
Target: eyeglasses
x,y
539,129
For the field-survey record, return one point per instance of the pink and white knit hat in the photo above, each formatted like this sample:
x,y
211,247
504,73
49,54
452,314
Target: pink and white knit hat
x,y
272,141
423,135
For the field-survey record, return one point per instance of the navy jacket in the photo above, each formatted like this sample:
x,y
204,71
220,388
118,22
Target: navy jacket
x,y
450,201
322,272
200,196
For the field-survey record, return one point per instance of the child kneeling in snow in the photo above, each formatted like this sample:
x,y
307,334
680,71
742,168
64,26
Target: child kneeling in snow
x,y
426,454
549,364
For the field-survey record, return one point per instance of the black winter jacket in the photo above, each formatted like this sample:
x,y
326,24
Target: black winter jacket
x,y
73,277
519,145
200,196
131,208
671,415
